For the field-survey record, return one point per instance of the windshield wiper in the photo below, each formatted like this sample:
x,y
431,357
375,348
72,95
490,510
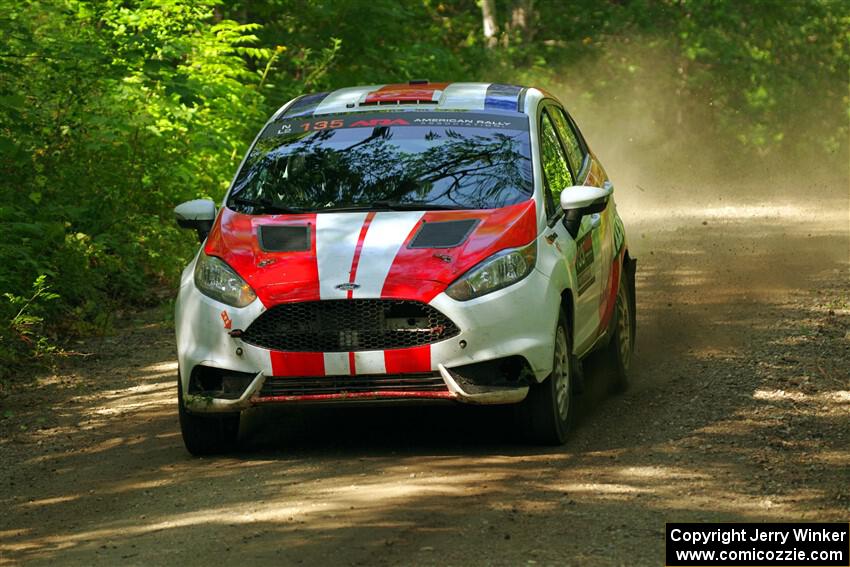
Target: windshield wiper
x,y
394,206
415,206
267,206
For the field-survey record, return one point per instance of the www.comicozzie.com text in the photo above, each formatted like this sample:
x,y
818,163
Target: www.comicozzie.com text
x,y
755,534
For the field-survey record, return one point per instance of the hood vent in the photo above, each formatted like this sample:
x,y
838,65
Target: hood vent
x,y
284,238
447,234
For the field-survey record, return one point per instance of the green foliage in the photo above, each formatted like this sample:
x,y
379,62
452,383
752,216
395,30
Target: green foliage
x,y
768,79
111,112
371,41
24,335
114,111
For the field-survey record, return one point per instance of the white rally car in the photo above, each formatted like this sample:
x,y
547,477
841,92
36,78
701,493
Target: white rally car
x,y
419,242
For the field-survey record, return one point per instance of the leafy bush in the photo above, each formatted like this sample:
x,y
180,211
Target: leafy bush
x,y
111,112
24,335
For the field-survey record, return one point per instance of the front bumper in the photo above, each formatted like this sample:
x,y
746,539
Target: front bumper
x,y
454,392
515,322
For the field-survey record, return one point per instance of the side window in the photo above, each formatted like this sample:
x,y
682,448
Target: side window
x,y
555,171
574,150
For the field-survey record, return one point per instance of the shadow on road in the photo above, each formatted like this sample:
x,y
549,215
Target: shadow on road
x,y
739,410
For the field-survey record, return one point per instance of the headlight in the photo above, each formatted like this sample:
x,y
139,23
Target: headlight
x,y
219,281
498,271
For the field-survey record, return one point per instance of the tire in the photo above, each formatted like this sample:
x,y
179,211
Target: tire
x,y
618,354
207,435
548,412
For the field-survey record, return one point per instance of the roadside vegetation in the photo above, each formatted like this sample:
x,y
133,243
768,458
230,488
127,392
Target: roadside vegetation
x,y
114,111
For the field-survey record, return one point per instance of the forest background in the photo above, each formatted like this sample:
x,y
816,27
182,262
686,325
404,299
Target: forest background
x,y
114,111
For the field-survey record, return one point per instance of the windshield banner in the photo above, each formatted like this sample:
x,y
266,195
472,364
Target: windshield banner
x,y
491,121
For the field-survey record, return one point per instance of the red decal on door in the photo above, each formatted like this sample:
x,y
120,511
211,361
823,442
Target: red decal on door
x,y
226,319
297,363
408,360
607,308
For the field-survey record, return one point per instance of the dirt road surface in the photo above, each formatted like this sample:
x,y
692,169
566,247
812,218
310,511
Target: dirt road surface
x,y
739,410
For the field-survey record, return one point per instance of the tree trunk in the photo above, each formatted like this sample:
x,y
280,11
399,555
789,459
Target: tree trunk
x,y
521,19
488,17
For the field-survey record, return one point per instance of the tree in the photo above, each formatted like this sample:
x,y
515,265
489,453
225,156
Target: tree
x,y
488,17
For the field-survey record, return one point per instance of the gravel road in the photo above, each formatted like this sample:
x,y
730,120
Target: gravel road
x,y
739,410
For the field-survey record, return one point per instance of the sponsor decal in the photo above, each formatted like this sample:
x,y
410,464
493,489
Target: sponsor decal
x,y
225,318
606,309
347,286
619,235
471,123
379,122
495,120
584,262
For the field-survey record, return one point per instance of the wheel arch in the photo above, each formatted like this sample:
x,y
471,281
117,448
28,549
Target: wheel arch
x,y
568,309
629,271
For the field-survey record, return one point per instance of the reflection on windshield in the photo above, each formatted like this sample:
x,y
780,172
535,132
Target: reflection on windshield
x,y
462,167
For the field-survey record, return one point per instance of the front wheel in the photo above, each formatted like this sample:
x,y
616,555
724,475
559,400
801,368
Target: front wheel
x,y
207,435
548,411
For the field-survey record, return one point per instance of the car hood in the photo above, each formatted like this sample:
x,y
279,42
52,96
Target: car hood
x,y
350,255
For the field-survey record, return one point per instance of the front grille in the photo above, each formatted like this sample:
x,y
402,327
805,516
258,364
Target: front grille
x,y
349,325
348,384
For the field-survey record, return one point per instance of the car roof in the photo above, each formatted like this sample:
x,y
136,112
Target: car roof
x,y
414,95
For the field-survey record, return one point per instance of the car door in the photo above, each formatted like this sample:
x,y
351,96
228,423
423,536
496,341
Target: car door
x,y
559,175
590,172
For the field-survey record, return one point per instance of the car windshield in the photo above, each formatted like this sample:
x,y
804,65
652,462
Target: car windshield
x,y
414,159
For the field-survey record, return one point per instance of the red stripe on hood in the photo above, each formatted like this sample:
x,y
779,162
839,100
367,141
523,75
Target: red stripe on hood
x,y
416,273
423,273
358,250
276,277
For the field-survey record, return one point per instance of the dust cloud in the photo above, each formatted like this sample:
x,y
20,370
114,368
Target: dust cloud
x,y
726,239
666,146
737,409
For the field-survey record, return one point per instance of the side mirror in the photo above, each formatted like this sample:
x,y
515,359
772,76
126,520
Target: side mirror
x,y
581,200
199,215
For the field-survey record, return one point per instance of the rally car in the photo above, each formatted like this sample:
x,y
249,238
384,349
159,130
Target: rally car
x,y
405,243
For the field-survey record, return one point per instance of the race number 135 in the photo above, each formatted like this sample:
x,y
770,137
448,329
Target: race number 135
x,y
321,125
